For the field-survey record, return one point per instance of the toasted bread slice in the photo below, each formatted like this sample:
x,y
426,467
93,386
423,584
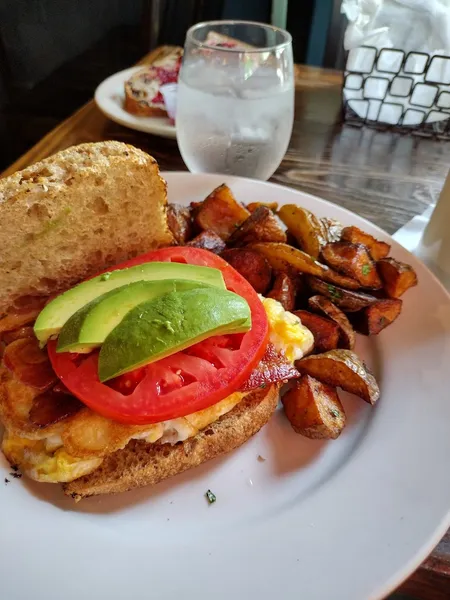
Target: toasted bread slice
x,y
73,214
141,464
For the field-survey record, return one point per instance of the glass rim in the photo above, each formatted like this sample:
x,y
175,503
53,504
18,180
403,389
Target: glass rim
x,y
190,36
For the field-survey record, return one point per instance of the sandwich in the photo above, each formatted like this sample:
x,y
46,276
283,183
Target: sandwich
x,y
126,359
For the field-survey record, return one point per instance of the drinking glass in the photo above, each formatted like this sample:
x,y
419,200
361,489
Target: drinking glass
x,y
235,104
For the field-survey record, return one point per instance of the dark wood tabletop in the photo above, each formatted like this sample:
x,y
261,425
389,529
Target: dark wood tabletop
x,y
381,175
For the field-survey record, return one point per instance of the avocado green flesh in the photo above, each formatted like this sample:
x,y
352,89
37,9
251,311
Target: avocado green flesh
x,y
167,324
53,316
88,327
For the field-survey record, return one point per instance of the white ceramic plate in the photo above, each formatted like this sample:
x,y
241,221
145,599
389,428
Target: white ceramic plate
x,y
109,97
344,520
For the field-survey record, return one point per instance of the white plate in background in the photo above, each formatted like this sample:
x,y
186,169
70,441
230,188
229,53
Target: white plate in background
x,y
109,97
342,520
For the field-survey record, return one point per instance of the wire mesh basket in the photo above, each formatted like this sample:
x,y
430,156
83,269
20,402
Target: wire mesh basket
x,y
392,89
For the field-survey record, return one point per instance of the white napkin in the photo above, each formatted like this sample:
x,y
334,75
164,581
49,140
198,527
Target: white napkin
x,y
410,26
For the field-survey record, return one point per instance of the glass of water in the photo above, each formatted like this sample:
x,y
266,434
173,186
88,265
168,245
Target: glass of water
x,y
235,100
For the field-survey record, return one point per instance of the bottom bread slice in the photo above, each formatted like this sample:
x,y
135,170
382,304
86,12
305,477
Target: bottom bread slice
x,y
141,463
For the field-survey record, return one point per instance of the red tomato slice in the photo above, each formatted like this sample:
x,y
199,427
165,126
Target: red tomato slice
x,y
183,383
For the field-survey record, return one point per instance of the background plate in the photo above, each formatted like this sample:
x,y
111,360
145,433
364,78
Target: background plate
x,y
109,97
347,519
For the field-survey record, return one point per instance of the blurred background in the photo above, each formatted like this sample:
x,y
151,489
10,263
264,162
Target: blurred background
x,y
54,53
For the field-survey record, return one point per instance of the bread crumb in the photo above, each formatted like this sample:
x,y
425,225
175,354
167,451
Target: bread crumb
x,y
261,458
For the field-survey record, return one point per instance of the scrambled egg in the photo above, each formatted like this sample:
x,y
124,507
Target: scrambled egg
x,y
79,447
83,443
286,331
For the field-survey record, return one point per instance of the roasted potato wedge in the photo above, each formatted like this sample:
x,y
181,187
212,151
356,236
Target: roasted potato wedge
x,y
346,300
208,240
251,265
325,307
332,229
354,261
307,229
377,248
180,223
375,318
283,257
261,226
314,409
344,369
284,290
397,276
325,332
254,205
220,212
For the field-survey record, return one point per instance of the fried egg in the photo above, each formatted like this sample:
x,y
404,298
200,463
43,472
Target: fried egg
x,y
87,437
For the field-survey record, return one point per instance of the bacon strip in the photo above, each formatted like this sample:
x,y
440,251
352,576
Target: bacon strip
x,y
272,368
53,406
29,363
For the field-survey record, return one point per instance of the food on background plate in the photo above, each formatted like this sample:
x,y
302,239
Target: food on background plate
x,y
143,95
137,370
142,90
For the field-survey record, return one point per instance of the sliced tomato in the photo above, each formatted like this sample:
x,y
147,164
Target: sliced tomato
x,y
180,384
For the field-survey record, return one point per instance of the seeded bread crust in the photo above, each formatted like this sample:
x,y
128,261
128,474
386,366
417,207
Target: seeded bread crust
x,y
141,464
74,213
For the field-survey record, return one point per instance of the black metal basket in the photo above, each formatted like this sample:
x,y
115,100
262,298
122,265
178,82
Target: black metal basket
x,y
408,76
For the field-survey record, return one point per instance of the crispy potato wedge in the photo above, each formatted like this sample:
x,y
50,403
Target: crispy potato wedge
x,y
208,240
261,226
375,318
314,410
325,307
307,229
284,290
283,257
180,223
251,265
325,332
397,276
354,261
346,300
254,205
377,248
332,229
344,369
220,212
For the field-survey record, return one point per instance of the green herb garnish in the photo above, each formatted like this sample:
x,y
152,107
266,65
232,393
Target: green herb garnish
x,y
334,413
105,276
210,497
366,269
334,293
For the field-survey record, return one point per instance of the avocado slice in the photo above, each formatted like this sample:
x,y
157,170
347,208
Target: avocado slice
x,y
167,324
89,326
58,311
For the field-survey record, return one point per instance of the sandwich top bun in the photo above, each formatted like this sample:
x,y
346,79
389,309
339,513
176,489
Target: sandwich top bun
x,y
73,214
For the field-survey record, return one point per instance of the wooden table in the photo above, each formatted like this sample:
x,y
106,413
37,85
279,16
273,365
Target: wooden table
x,y
383,176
